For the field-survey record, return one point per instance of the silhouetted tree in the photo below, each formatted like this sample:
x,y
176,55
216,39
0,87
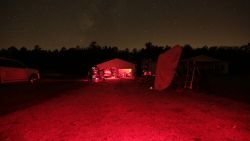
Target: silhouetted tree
x,y
77,60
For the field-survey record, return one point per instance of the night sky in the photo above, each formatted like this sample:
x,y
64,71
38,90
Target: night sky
x,y
53,24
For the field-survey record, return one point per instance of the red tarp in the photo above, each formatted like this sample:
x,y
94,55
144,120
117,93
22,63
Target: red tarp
x,y
166,66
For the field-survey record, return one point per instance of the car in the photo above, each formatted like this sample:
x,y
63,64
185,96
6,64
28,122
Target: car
x,y
12,71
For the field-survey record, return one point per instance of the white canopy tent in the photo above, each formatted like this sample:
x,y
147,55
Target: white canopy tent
x,y
118,68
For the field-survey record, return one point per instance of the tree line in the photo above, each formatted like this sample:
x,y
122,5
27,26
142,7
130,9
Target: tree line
x,y
78,60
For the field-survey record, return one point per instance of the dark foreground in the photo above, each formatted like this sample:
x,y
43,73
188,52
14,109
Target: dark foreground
x,y
18,96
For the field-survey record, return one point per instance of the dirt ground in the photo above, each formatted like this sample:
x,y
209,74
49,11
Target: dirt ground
x,y
125,110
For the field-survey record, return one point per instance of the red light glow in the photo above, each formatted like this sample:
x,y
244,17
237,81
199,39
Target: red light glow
x,y
125,111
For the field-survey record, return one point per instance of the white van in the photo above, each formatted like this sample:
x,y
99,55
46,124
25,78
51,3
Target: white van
x,y
15,71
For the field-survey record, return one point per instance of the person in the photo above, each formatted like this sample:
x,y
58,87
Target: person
x,y
101,74
90,75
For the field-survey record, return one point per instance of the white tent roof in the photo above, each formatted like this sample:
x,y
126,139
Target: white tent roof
x,y
118,63
202,58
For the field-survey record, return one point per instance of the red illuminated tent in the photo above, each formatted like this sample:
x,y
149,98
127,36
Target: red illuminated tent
x,y
166,66
118,68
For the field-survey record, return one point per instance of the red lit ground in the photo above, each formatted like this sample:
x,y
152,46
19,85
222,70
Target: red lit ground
x,y
125,111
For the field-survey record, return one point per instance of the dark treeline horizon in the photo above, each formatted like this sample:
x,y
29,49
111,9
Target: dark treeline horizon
x,y
77,60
